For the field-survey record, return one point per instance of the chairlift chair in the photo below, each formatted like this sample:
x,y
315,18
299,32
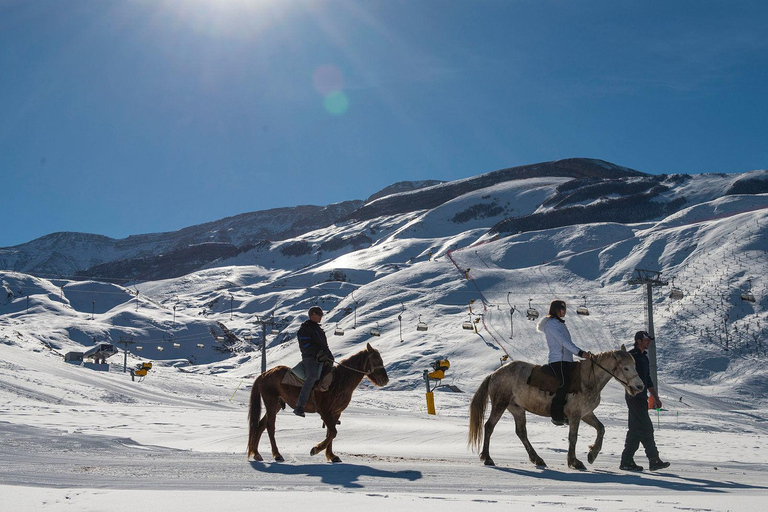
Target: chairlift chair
x,y
139,348
532,313
375,331
468,324
200,345
160,349
176,345
338,331
421,326
676,293
748,297
582,310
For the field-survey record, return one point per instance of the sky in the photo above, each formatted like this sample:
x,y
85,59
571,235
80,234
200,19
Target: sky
x,y
124,117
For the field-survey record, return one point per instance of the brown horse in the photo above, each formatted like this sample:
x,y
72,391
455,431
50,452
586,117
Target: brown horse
x,y
508,389
329,404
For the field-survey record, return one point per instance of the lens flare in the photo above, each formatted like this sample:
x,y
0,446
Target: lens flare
x,y
336,103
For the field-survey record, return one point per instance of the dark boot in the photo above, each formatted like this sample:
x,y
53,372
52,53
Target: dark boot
x,y
557,412
656,463
299,411
630,466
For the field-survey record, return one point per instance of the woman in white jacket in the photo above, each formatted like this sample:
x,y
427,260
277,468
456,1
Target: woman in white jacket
x,y
561,352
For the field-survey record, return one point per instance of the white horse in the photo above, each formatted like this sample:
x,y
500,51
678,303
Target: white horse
x,y
508,389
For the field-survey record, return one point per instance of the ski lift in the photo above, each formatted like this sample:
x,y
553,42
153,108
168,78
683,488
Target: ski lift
x,y
582,310
176,345
468,325
532,313
339,331
139,347
375,331
676,293
200,345
747,296
160,349
421,326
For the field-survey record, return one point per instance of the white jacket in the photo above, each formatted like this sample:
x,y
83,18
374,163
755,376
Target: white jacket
x,y
561,347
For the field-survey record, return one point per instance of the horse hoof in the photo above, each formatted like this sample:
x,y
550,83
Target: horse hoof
x,y
313,451
335,459
258,458
540,463
578,465
591,458
279,458
489,462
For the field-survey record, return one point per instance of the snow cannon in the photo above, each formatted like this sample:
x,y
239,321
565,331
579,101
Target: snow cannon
x,y
438,372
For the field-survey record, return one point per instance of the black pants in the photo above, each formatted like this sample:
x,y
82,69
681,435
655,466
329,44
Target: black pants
x,y
640,429
562,371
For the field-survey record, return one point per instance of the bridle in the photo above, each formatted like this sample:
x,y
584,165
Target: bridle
x,y
609,372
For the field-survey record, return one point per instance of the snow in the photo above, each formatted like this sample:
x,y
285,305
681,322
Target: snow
x,y
72,438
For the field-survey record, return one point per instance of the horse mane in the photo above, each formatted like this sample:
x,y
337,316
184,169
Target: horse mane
x,y
342,373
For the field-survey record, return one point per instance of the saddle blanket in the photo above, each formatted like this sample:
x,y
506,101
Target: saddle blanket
x,y
542,378
295,377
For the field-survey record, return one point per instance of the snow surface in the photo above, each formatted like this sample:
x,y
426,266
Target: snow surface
x,y
73,438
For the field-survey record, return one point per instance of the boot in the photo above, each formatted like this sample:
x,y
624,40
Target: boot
x,y
557,413
299,411
630,466
656,463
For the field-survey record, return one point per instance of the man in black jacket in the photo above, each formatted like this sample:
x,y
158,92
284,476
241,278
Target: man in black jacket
x,y
640,424
314,355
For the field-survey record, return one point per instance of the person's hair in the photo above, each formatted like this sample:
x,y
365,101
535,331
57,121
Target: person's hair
x,y
315,310
555,306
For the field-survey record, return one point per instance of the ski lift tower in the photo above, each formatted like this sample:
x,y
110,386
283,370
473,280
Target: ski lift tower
x,y
266,323
649,278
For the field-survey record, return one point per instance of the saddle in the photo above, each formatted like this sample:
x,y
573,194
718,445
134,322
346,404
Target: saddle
x,y
543,378
295,377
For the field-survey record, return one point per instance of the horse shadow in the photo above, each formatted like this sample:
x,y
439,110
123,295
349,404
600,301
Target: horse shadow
x,y
345,475
674,483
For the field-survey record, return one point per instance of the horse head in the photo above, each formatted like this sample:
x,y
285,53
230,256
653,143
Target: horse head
x,y
374,367
622,368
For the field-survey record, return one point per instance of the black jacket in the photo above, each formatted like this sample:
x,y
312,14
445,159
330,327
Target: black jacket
x,y
643,367
312,340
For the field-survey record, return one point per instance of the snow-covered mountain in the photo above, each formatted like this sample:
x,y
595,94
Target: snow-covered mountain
x,y
516,242
480,257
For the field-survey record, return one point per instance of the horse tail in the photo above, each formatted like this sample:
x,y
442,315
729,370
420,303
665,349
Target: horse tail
x,y
254,413
477,413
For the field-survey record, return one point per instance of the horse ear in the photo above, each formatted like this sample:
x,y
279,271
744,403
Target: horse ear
x,y
369,348
623,348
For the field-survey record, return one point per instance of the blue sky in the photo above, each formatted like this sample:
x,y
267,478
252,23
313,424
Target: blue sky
x,y
139,116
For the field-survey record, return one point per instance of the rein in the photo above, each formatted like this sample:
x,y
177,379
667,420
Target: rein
x,y
379,367
625,384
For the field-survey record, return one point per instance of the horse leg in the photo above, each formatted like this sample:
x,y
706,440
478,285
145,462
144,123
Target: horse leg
x,y
270,417
260,430
329,449
497,410
522,432
594,449
330,433
573,435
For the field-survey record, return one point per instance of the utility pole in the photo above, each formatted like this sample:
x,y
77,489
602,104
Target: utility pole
x,y
511,317
125,342
649,278
266,328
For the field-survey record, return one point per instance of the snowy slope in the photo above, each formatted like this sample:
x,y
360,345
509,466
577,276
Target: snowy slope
x,y
183,428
